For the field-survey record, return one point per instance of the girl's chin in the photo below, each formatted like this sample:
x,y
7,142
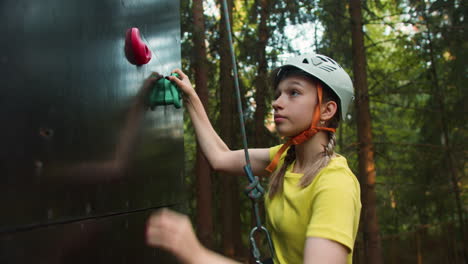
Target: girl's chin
x,y
287,134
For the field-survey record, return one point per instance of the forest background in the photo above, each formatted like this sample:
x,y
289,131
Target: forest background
x,y
405,137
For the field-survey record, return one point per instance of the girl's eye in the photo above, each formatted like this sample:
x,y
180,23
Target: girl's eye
x,y
294,93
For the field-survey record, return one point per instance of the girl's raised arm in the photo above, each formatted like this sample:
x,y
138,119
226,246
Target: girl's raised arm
x,y
220,157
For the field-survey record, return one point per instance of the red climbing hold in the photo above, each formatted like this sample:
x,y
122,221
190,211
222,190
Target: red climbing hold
x,y
136,51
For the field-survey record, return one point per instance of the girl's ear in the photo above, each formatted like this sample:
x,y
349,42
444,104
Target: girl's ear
x,y
328,110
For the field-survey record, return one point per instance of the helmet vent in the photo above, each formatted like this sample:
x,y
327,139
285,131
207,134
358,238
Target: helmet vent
x,y
305,61
332,61
327,68
322,58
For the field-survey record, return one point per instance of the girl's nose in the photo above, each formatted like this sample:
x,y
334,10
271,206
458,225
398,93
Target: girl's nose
x,y
277,103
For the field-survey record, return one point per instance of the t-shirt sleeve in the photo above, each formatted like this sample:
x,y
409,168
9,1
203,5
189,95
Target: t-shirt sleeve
x,y
273,151
334,207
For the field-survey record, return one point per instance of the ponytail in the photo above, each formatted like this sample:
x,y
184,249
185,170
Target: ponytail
x,y
276,181
322,162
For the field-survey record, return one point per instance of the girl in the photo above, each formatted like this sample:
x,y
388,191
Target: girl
x,y
313,202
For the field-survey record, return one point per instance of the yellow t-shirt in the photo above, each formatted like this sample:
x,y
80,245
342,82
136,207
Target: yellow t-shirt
x,y
328,208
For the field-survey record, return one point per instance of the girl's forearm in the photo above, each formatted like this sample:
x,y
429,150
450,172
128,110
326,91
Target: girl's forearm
x,y
210,142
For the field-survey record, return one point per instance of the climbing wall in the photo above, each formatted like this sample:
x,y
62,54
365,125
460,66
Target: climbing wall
x,y
82,161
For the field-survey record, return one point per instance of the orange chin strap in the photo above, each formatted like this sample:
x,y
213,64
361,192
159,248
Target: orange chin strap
x,y
305,135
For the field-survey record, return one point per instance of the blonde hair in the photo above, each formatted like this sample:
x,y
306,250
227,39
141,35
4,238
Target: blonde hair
x,y
277,178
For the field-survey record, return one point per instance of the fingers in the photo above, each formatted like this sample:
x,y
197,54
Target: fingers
x,y
155,231
157,76
165,227
173,232
182,81
178,81
181,73
153,236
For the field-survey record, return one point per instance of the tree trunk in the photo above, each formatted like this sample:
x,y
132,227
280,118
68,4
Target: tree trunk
x,y
204,220
230,204
372,243
419,256
261,85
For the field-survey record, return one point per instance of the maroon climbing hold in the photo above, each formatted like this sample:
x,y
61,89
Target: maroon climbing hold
x,y
136,51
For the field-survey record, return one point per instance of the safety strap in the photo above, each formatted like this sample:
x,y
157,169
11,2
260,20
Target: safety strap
x,y
305,135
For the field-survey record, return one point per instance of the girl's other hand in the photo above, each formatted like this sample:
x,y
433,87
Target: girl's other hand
x,y
173,232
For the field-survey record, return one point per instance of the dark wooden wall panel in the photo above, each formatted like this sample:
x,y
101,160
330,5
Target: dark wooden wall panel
x,y
67,101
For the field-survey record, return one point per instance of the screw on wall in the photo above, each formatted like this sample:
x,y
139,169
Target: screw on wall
x,y
46,133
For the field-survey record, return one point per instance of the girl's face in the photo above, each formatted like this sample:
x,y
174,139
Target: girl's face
x,y
294,104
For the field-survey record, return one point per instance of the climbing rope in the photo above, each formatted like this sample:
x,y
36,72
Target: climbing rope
x,y
254,190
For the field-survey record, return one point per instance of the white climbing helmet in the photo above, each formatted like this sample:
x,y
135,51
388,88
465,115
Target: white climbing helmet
x,y
329,72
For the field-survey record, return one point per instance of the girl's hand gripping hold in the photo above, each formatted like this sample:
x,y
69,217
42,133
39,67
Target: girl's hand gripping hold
x,y
183,82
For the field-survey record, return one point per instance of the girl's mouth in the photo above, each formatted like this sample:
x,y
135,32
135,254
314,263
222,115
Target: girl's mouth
x,y
279,118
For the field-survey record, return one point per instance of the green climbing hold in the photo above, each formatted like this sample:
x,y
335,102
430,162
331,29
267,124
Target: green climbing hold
x,y
165,92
